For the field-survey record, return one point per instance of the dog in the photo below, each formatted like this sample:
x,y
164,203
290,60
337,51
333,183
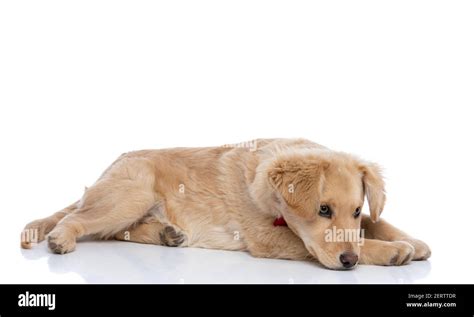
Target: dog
x,y
274,198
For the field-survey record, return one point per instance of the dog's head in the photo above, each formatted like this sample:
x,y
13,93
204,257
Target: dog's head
x,y
321,198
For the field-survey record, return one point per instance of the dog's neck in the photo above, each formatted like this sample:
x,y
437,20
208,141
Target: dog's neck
x,y
264,195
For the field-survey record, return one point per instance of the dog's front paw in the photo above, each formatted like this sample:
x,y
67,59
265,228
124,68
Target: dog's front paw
x,y
378,252
422,250
402,253
59,242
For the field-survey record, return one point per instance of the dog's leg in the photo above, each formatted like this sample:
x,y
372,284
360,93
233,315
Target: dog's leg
x,y
274,242
119,199
382,230
38,229
378,252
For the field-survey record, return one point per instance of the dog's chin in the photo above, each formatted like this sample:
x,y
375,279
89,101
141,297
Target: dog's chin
x,y
325,260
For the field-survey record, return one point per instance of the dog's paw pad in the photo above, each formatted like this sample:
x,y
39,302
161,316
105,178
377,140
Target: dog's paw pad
x,y
172,238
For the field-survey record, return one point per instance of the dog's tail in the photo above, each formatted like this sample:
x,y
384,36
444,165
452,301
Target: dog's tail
x,y
36,231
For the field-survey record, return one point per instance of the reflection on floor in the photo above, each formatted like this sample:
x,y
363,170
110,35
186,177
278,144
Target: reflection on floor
x,y
119,262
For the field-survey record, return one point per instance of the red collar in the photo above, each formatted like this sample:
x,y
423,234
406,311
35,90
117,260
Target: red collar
x,y
280,221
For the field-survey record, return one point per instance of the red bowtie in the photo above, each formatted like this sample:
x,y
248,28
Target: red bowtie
x,y
280,221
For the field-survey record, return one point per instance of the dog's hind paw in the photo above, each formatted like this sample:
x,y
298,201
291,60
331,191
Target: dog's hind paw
x,y
172,238
59,243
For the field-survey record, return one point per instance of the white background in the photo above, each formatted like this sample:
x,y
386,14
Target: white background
x,y
82,82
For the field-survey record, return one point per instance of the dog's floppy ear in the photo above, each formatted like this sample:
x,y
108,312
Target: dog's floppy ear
x,y
374,189
298,181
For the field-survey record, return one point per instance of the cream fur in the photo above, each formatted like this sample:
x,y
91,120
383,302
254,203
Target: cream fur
x,y
228,197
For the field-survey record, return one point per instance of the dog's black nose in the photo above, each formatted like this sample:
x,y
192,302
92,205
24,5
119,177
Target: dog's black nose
x,y
348,259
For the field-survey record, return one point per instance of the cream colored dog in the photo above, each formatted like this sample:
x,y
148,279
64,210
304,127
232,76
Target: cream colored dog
x,y
275,198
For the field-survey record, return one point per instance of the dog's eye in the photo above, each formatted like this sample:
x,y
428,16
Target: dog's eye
x,y
357,212
325,211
